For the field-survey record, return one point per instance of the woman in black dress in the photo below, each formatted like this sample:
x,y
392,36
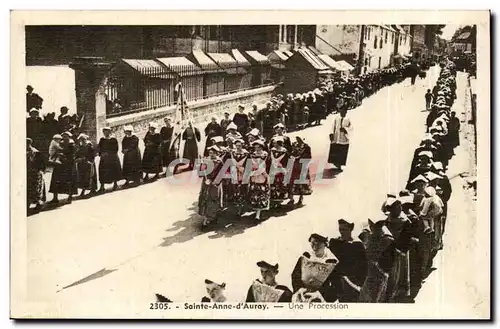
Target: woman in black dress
x,y
151,160
86,175
131,156
110,169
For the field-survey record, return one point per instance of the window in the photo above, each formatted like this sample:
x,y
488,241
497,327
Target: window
x,y
366,61
379,62
375,43
392,38
369,33
385,36
381,32
213,32
381,43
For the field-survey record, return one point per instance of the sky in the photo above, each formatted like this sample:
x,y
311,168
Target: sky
x,y
448,31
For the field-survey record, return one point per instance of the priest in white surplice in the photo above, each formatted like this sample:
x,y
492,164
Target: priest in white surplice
x,y
339,139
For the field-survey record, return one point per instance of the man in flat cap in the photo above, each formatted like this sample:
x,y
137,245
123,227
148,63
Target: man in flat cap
x,y
267,289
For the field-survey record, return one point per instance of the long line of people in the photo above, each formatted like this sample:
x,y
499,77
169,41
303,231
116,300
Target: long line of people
x,y
393,254
61,145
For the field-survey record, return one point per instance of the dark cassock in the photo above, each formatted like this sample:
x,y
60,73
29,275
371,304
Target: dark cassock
x,y
191,137
86,174
110,168
167,152
151,159
352,267
35,183
242,122
63,179
131,158
211,130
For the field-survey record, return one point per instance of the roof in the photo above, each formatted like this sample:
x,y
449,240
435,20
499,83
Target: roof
x,y
203,61
240,58
227,62
257,57
312,59
314,50
150,68
387,27
277,56
345,65
330,62
180,65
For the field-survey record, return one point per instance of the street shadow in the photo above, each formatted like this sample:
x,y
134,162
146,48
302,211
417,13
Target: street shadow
x,y
226,226
97,275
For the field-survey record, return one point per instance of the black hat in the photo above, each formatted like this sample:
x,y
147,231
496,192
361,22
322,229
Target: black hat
x,y
318,237
343,221
210,282
264,264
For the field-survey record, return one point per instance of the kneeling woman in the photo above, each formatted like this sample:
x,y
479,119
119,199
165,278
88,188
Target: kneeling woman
x,y
314,278
210,199
258,189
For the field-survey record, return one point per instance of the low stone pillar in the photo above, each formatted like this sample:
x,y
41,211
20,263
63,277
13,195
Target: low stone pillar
x,y
90,79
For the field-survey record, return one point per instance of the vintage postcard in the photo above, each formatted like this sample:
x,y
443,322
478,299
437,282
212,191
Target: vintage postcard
x,y
250,164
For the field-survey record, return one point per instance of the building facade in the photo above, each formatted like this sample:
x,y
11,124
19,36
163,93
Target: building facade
x,y
418,45
55,45
341,42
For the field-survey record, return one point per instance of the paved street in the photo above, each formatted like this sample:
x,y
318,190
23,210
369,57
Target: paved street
x,y
133,243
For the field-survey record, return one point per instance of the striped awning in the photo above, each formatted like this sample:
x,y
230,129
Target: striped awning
x,y
181,66
312,59
330,62
238,56
150,68
203,61
227,63
257,57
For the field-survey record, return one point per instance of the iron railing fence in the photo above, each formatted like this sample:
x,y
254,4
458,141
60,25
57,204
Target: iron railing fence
x,y
135,89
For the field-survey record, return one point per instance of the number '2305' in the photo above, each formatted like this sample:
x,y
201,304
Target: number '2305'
x,y
159,306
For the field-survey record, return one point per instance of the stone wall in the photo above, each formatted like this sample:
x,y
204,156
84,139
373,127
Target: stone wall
x,y
201,111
